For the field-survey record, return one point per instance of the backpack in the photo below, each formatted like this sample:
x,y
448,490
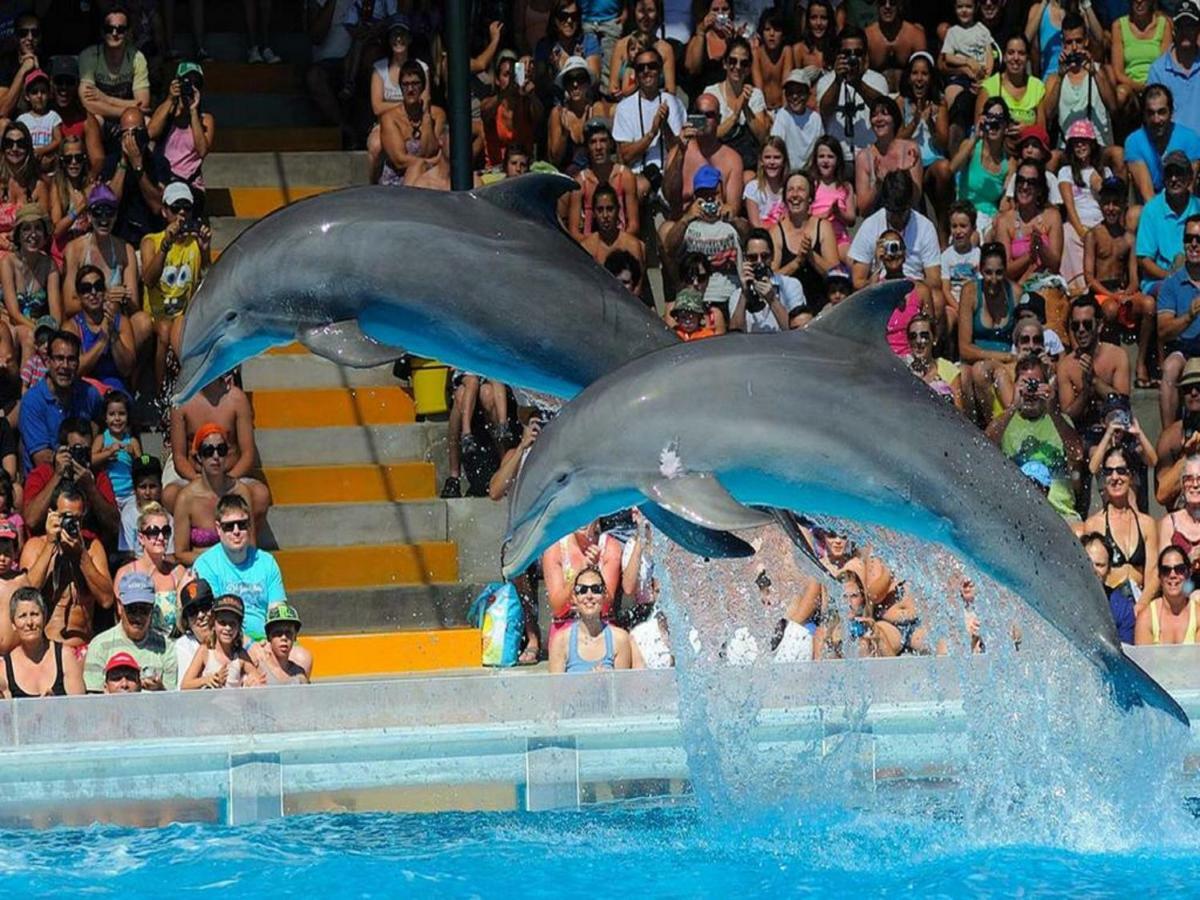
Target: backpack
x,y
498,614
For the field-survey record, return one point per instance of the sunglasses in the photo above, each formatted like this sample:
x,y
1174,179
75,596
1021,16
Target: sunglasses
x,y
576,80
1083,324
646,67
566,16
65,81
235,525
581,589
737,63
920,335
71,159
200,609
121,675
207,450
1022,181
28,32
1190,388
1110,471
1191,238
102,212
13,143
1180,569
181,207
157,531
1030,340
116,29
90,287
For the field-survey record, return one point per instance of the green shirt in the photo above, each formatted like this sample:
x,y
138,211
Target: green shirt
x,y
1025,440
155,651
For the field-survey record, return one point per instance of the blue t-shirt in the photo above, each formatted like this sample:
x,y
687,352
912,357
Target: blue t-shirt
x,y
257,580
1184,85
1139,149
1160,233
600,10
1176,296
41,414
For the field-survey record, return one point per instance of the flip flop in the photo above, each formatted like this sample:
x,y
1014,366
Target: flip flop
x,y
528,657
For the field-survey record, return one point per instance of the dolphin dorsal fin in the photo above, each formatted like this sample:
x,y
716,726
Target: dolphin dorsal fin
x,y
863,316
534,196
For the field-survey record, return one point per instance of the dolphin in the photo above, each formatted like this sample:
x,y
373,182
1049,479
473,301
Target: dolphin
x,y
824,421
484,280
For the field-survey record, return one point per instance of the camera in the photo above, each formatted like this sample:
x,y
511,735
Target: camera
x,y
81,454
698,121
993,121
187,91
762,270
1121,419
1030,387
723,21
893,248
70,524
1074,59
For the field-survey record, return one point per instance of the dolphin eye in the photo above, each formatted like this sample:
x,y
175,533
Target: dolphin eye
x,y
563,478
231,315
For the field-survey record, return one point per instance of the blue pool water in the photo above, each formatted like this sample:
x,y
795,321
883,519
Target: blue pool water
x,y
656,852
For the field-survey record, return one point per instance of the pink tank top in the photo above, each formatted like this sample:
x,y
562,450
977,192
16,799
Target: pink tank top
x,y
180,153
897,326
825,198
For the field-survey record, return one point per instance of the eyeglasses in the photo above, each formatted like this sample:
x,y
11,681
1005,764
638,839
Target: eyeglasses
x,y
581,589
646,67
1190,480
1191,238
13,143
157,531
576,80
90,287
1030,340
116,29
1083,324
1180,569
235,525
1022,181
1110,471
412,85
207,450
71,159
565,15
737,62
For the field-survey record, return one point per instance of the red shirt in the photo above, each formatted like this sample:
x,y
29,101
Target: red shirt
x,y
37,479
73,122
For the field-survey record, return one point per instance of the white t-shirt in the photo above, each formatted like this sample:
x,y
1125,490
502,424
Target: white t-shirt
x,y
959,268
770,206
635,115
185,651
920,237
800,133
41,128
337,40
1087,204
655,650
763,321
1054,344
835,125
757,104
974,42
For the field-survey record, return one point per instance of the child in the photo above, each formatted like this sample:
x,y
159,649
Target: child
x,y
38,363
966,59
1110,272
690,312
833,194
1079,181
10,502
772,57
223,662
44,124
116,448
960,263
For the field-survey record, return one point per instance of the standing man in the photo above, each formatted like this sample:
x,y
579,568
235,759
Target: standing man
x,y
845,94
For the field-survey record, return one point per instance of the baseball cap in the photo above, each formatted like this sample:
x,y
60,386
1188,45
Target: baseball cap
x,y
596,124
573,64
1038,472
145,465
706,178
1176,159
1037,133
175,192
1081,129
48,323
64,67
1187,10
809,76
1191,373
195,593
689,300
397,22
134,587
190,68
230,603
101,195
36,75
8,531
122,660
282,612
838,273
1032,302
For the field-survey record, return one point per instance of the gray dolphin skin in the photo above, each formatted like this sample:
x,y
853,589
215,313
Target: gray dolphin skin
x,y
486,281
823,421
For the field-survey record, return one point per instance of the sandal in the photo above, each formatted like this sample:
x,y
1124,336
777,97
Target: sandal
x,y
528,657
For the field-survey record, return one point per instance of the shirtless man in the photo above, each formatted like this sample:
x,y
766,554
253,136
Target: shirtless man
x,y
10,579
72,577
892,40
702,148
608,236
410,132
1110,269
222,403
602,168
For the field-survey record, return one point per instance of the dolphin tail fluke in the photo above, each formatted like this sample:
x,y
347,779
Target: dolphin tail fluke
x,y
706,542
1131,686
863,316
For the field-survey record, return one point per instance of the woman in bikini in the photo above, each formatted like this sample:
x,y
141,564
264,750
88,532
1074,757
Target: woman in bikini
x,y
564,560
602,168
29,278
1131,536
154,532
986,316
1032,230
1171,617
590,644
805,245
37,666
1181,527
196,505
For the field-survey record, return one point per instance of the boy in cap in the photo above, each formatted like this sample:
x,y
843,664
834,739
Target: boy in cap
x,y
709,227
133,635
37,364
122,674
196,621
796,122
690,312
283,625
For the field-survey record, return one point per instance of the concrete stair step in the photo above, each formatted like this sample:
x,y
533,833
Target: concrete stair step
x,y
255,139
297,525
334,407
270,110
305,485
229,43
340,168
350,655
256,202
225,229
231,74
387,609
307,370
351,445
368,565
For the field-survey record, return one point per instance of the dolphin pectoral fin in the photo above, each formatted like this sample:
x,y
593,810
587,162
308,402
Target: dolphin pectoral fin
x,y
534,196
694,538
863,316
703,501
1131,686
344,342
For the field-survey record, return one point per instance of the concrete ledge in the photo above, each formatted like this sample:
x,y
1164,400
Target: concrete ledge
x,y
334,168
277,372
385,609
350,445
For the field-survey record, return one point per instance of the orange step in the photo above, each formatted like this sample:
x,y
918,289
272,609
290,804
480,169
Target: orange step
x,y
347,655
293,349
332,407
255,202
351,484
223,77
367,565
281,140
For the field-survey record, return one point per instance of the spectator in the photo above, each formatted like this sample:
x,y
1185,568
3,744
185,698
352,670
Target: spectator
x,y
967,59
133,635
183,133
1081,91
147,489
923,255
843,95
196,516
37,364
122,674
608,238
174,262
804,245
926,122
72,184
105,334
11,578
1033,145
644,28
602,169
1171,617
709,226
114,77
817,46
77,123
137,174
60,395
763,194
960,263
705,52
797,123
512,115
566,143
766,302
223,661
1120,603
982,164
1046,27
1137,40
69,569
1178,301
565,38
832,193
44,124
1179,440
569,557
889,255
20,177
889,153
237,564
940,375
70,464
386,91
25,58
701,148
1031,430
29,278
1178,69
626,269
1131,536
692,317
744,123
1080,180
258,32
1147,147
772,57
1181,527
195,623
1032,230
326,74
1021,92
647,125
37,665
892,41
115,449
590,644
283,625
1122,431
696,271
100,248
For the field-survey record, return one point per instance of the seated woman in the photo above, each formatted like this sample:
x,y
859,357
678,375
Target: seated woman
x,y
981,165
512,115
602,168
196,505
105,333
590,644
1131,536
889,255
1169,618
154,531
888,153
1032,231
804,245
37,666
29,277
1138,39
818,43
1181,527
705,52
986,318
1122,431
941,375
744,123
565,37
927,124
564,560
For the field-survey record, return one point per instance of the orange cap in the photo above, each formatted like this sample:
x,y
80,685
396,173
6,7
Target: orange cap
x,y
206,431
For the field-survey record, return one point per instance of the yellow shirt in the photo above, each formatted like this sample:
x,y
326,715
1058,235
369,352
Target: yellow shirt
x,y
170,295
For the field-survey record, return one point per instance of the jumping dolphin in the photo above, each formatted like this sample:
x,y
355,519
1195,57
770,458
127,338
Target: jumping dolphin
x,y
484,280
824,421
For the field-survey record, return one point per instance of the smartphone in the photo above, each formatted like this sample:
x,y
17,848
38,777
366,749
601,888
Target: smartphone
x,y
519,73
698,121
